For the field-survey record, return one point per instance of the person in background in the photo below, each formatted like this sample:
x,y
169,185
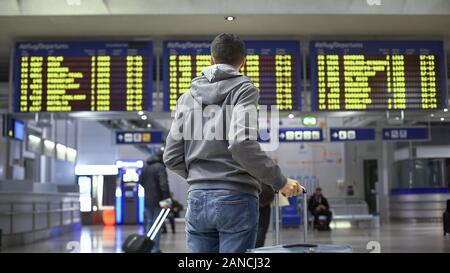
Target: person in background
x,y
318,206
265,199
175,209
154,180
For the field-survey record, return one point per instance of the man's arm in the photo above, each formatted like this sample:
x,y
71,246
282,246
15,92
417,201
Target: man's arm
x,y
247,152
174,157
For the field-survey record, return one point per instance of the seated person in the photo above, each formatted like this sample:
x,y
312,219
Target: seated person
x,y
318,206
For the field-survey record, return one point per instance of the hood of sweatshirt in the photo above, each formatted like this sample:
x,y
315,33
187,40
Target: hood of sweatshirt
x,y
213,87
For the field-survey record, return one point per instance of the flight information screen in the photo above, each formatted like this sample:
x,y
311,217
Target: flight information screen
x,y
273,66
82,76
377,75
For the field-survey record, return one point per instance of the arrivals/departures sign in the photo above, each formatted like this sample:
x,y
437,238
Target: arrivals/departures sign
x,y
82,76
273,66
377,75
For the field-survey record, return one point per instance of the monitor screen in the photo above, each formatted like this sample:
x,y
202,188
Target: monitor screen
x,y
19,130
377,75
273,66
82,76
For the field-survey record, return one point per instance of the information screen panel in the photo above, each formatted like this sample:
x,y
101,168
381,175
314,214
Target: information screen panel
x,y
273,66
377,75
82,76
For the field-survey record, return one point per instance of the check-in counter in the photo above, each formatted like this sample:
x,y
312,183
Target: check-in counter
x,y
418,204
33,211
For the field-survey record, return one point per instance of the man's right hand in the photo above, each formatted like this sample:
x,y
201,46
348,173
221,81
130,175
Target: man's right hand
x,y
292,188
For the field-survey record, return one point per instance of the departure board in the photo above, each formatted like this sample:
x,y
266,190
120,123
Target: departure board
x,y
273,66
377,75
82,76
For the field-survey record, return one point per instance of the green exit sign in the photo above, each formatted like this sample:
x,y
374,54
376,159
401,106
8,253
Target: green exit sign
x,y
310,121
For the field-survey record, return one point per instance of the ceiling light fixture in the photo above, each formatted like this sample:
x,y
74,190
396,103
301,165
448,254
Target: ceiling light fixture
x,y
143,117
230,18
140,113
291,116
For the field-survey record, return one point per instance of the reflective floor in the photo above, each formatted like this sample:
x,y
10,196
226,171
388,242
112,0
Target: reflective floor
x,y
405,237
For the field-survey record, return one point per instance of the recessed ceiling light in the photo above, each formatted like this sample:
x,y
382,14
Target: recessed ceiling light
x,y
432,115
144,117
230,18
442,119
149,125
140,113
445,110
291,116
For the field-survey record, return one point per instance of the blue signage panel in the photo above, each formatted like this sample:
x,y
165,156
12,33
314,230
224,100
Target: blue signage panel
x,y
377,75
83,76
293,135
402,134
139,137
273,66
352,134
301,135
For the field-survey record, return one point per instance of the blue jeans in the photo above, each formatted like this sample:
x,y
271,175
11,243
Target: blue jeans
x,y
150,217
222,221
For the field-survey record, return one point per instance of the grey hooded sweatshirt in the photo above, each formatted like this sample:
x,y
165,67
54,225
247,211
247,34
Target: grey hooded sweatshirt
x,y
227,163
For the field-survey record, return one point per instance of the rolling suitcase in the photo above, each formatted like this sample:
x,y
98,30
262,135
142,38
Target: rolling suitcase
x,y
303,247
136,243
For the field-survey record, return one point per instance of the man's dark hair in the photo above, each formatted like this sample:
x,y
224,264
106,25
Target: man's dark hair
x,y
228,48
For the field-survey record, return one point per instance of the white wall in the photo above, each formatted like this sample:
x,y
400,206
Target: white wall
x,y
95,144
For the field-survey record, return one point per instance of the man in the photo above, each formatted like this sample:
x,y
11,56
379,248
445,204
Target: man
x,y
225,171
318,206
156,186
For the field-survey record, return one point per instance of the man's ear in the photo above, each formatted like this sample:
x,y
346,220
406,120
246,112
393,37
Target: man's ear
x,y
242,64
213,61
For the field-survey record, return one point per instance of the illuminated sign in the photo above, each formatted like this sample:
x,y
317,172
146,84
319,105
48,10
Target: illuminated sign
x,y
82,76
352,134
377,75
139,137
406,134
294,135
273,66
310,121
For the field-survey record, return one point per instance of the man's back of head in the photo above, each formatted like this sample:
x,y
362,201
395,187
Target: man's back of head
x,y
228,48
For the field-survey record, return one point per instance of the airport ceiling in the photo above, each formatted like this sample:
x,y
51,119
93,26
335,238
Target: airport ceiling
x,y
52,19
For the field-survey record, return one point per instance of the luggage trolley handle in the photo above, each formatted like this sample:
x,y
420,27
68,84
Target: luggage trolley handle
x,y
277,217
154,229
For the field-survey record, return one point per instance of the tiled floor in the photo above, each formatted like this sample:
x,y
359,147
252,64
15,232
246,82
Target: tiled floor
x,y
405,237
